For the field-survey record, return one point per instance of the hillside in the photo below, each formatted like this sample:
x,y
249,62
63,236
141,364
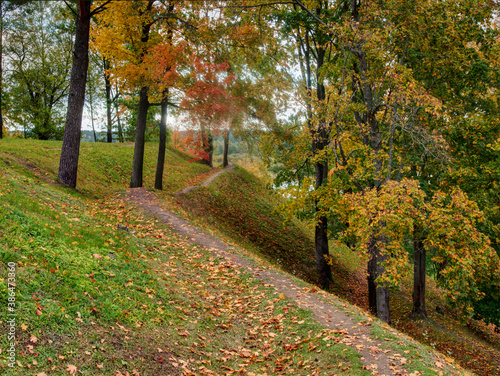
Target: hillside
x,y
105,289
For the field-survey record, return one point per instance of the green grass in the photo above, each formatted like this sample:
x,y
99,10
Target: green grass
x,y
107,300
243,208
103,168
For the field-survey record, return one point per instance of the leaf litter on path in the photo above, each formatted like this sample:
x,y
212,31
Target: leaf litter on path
x,y
341,328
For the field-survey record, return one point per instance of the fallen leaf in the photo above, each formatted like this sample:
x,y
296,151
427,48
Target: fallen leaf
x,y
33,339
245,353
71,369
97,256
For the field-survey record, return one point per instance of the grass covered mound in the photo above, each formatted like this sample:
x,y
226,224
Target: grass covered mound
x,y
95,298
239,205
103,168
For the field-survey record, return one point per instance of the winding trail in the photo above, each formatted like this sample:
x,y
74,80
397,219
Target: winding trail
x,y
375,357
207,182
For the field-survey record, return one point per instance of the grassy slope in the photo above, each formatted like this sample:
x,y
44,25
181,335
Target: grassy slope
x,y
106,300
145,302
239,206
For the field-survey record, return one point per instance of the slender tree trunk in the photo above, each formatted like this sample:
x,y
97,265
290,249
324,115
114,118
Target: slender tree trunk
x,y
92,115
383,291
68,165
142,114
140,131
210,148
108,101
378,292
320,139
321,234
371,276
119,123
319,133
418,274
225,161
162,145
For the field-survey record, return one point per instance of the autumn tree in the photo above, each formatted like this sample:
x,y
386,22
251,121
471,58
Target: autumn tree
x,y
379,114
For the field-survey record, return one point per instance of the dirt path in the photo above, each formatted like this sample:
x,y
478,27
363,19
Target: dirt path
x,y
375,357
212,177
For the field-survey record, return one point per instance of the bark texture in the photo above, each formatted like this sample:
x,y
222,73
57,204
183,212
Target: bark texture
x,y
162,144
107,84
68,165
378,292
225,161
419,262
140,131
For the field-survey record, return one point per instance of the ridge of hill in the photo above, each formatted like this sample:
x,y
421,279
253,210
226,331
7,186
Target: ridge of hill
x,y
104,289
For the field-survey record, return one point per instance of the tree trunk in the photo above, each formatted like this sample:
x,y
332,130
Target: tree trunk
x,y
225,161
119,123
383,311
162,145
108,101
68,165
142,114
378,292
92,115
140,131
321,230
419,264
208,146
210,149
372,286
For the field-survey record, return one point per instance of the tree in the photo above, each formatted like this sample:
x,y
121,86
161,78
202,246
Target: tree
x,y
68,164
377,114
39,59
135,29
5,8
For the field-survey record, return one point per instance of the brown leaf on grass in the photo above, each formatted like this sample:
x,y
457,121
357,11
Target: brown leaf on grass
x,y
135,373
41,374
97,256
38,312
71,369
100,366
439,364
245,353
33,339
